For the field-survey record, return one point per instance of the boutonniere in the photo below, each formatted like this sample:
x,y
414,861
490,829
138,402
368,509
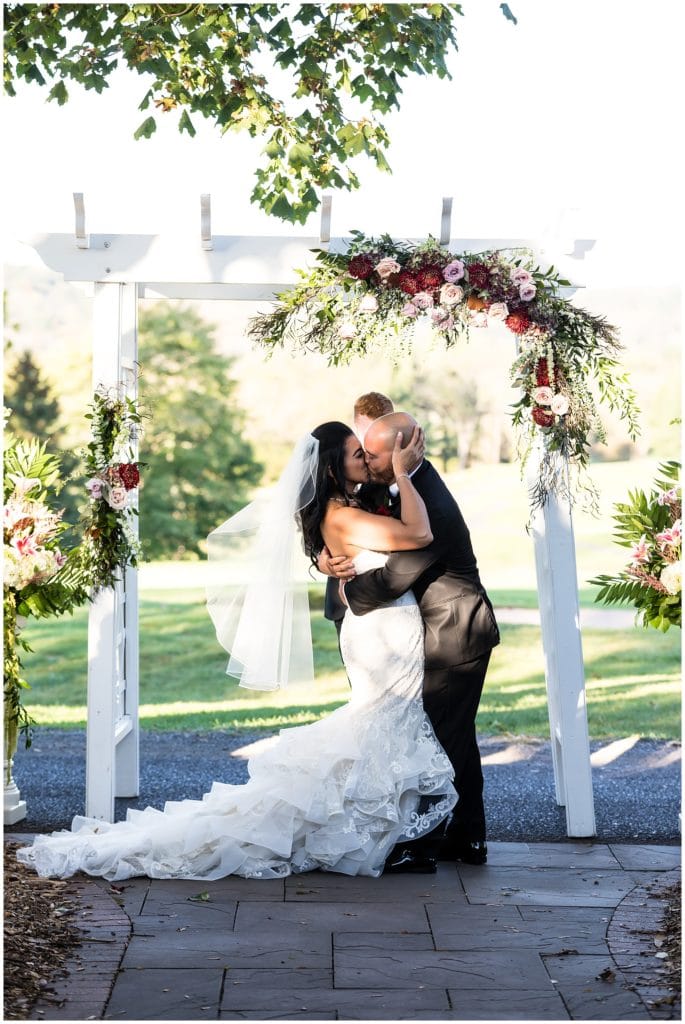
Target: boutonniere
x,y
383,510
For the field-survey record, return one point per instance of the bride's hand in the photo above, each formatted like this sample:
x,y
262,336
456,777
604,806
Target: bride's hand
x,y
339,566
406,460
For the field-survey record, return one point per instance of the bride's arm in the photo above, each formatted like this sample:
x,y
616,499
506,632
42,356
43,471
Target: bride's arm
x,y
352,527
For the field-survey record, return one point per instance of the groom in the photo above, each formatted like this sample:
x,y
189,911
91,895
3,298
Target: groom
x,y
460,633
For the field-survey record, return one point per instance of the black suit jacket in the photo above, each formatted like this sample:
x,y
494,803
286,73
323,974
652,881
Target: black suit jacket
x,y
459,618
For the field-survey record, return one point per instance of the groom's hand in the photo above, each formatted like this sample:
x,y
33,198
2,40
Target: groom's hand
x,y
339,566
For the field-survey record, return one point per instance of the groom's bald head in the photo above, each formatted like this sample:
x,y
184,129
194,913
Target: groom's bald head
x,y
379,442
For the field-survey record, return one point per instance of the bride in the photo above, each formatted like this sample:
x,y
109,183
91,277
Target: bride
x,y
335,795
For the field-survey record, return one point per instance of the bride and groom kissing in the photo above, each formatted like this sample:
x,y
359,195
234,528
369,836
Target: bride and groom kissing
x,y
391,781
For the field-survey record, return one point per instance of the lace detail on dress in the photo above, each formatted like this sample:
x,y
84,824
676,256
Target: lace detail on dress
x,y
335,795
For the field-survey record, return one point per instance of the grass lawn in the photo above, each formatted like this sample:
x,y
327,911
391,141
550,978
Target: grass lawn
x,y
632,677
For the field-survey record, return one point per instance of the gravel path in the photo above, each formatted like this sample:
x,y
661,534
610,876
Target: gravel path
x,y
636,783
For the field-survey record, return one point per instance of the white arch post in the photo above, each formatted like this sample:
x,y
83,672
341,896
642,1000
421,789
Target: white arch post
x,y
124,268
112,737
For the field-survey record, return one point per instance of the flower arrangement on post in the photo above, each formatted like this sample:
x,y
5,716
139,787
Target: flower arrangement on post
x,y
109,540
42,577
651,527
349,302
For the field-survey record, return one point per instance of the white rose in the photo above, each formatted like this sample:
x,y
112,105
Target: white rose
x,y
543,396
498,311
369,304
671,577
451,294
559,405
116,498
347,330
478,318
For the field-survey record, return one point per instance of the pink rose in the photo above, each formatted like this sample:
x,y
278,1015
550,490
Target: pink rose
x,y
94,487
543,396
639,553
451,294
423,300
454,271
117,498
387,266
439,315
347,330
498,311
521,276
409,309
527,292
369,304
559,405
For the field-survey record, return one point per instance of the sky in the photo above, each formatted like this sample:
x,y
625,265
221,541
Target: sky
x,y
564,125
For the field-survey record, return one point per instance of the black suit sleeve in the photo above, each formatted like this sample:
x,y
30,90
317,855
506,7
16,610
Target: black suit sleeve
x,y
379,587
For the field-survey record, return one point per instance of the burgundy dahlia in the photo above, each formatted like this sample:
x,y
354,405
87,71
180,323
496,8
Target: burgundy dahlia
x,y
478,275
429,279
542,417
130,476
408,283
360,266
518,323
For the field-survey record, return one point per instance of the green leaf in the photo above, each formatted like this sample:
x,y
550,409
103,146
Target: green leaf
x,y
59,93
146,129
186,125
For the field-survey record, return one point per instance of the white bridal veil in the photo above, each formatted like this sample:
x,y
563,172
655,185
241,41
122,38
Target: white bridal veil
x,y
256,598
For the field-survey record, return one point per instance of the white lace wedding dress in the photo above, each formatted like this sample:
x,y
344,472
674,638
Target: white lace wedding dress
x,y
335,795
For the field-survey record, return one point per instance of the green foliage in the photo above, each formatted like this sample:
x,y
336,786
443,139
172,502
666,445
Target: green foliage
x,y
35,409
36,413
204,59
650,525
109,540
199,466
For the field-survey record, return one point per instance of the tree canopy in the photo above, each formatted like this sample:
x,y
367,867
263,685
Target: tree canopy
x,y
313,79
198,468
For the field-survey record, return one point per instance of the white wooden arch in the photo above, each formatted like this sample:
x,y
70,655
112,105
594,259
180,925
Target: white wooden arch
x,y
125,268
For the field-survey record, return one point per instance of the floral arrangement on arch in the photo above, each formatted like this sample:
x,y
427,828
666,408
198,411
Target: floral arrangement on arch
x,y
651,526
42,575
109,538
379,288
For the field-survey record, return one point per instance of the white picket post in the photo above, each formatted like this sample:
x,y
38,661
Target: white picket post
x,y
555,563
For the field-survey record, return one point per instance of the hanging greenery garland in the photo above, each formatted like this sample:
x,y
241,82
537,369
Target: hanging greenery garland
x,y
109,539
349,303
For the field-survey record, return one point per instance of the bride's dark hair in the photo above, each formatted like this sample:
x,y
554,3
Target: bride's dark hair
x,y
330,481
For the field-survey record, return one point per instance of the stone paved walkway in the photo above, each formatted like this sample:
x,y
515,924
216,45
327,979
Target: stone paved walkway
x,y
542,932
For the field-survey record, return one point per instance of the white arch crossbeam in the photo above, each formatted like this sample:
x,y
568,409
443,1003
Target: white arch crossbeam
x,y
124,268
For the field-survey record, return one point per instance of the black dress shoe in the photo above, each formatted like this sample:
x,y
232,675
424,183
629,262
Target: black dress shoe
x,y
405,862
468,852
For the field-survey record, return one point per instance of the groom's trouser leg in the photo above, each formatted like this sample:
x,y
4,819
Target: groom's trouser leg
x,y
451,697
